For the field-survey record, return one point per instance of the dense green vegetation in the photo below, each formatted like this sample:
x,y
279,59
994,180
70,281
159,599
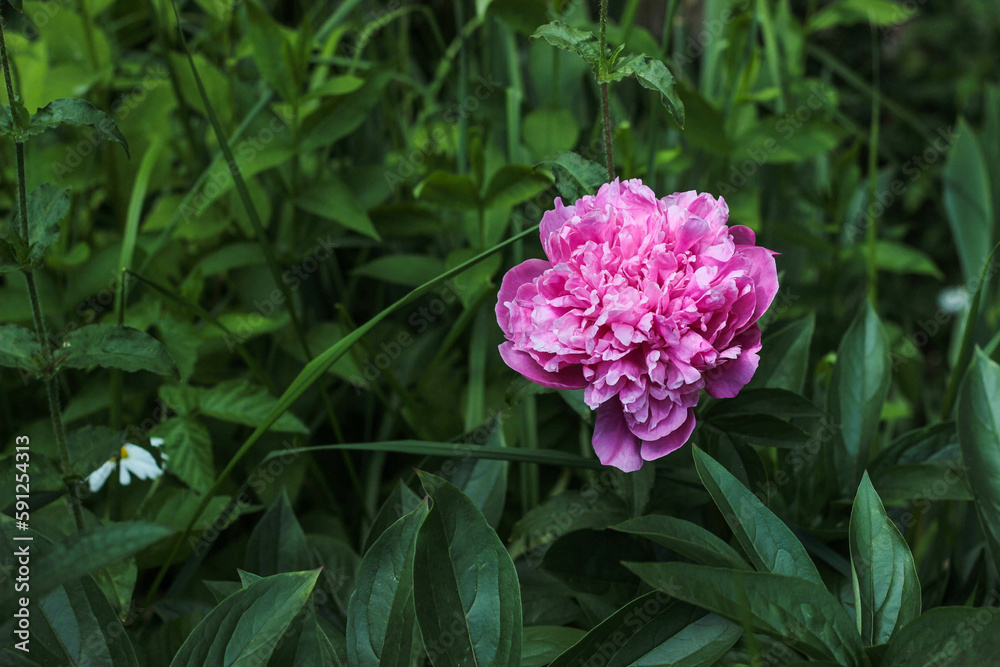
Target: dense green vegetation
x,y
250,380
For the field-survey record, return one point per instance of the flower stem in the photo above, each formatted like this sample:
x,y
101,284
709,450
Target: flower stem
x,y
69,477
609,154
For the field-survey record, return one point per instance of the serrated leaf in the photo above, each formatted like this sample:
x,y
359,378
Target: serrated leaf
x,y
72,111
47,206
187,447
19,347
887,591
576,176
654,75
114,347
584,44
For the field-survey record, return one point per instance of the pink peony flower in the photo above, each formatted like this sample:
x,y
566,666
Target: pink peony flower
x,y
643,302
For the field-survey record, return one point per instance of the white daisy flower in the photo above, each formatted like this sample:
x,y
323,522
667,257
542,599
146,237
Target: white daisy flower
x,y
158,442
132,460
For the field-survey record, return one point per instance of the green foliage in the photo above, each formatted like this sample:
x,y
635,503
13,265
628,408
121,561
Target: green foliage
x,y
287,301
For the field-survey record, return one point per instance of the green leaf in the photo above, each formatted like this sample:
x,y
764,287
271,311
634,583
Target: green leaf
x,y
47,206
858,389
770,544
114,347
244,628
686,538
576,176
654,630
779,403
652,74
784,358
513,184
65,562
584,44
760,429
188,445
331,199
237,401
850,12
407,270
544,643
549,131
305,645
968,201
446,190
567,512
800,612
903,259
380,615
887,591
400,502
271,50
466,591
19,348
979,437
947,637
277,543
72,111
89,447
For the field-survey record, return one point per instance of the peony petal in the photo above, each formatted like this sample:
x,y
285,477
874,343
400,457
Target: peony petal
x,y
525,272
614,443
569,378
654,449
764,273
727,379
743,235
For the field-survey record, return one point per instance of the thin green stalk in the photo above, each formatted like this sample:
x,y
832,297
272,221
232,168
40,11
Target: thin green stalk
x,y
52,391
463,84
605,106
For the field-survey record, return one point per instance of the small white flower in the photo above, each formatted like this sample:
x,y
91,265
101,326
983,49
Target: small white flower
x,y
158,442
132,460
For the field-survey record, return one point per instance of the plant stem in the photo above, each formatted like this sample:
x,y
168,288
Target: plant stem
x,y
36,308
609,154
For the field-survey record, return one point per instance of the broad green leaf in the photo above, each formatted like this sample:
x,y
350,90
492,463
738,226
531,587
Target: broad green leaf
x,y
857,391
784,359
779,403
760,429
575,175
187,444
89,447
331,199
19,348
47,206
244,628
446,190
567,512
380,615
549,131
900,258
114,347
484,481
271,50
770,544
947,637
887,591
277,543
584,44
652,74
306,645
341,115
654,630
590,562
407,270
686,538
72,111
401,501
544,643
635,488
513,184
979,436
968,201
466,591
800,612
